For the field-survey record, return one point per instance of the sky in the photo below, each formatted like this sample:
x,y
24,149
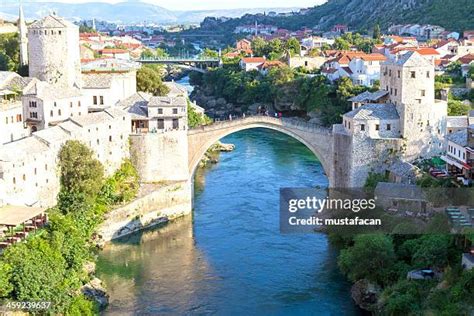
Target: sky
x,y
206,4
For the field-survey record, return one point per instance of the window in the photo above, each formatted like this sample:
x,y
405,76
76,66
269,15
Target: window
x,y
160,111
101,100
70,104
55,104
110,138
412,74
94,100
389,127
175,123
59,32
391,91
175,111
51,113
59,112
377,127
423,93
398,74
362,127
390,72
427,74
18,118
396,91
79,103
161,124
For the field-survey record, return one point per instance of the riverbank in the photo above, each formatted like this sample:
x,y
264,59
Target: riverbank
x,y
155,204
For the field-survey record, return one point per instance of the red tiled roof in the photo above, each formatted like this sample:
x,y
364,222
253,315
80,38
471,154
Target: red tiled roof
x,y
427,51
253,60
271,63
373,57
466,59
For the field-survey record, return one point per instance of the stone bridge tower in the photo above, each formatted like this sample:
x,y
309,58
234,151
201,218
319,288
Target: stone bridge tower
x,y
53,51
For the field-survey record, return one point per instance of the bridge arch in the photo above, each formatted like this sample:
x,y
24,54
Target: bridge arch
x,y
317,139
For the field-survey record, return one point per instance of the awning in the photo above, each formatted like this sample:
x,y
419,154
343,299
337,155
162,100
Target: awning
x,y
456,163
12,215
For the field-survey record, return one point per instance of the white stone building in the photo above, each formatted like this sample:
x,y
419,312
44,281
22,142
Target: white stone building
x,y
402,122
46,105
28,167
12,125
251,63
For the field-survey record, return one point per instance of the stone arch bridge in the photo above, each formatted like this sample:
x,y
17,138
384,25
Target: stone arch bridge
x,y
319,140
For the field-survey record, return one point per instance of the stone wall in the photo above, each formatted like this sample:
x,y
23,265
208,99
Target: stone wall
x,y
160,156
160,205
355,157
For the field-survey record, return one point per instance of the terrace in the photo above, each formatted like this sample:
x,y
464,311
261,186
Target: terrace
x,y
17,222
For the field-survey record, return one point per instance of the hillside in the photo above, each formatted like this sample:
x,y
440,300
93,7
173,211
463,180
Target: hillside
x,y
124,12
455,15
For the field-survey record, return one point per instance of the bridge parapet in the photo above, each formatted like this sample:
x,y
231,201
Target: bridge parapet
x,y
291,123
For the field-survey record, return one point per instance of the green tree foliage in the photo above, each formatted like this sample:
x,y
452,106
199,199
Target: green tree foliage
x,y
457,107
196,119
293,46
122,186
149,80
209,53
275,48
80,172
377,33
48,266
369,258
10,54
427,251
5,280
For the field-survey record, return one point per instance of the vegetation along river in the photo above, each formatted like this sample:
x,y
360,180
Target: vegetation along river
x,y
229,257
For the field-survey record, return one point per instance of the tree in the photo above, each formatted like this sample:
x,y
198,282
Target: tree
x,y
341,44
457,107
5,276
147,53
161,53
369,258
149,80
80,173
209,53
377,34
293,46
259,46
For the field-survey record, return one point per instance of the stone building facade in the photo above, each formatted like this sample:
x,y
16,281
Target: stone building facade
x,y
403,122
53,51
28,167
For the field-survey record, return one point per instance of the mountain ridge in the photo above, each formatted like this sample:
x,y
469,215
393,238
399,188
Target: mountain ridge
x,y
124,12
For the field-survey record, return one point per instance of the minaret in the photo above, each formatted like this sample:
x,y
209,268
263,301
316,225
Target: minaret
x,y
22,29
93,24
256,28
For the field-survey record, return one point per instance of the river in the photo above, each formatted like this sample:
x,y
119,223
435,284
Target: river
x,y
229,257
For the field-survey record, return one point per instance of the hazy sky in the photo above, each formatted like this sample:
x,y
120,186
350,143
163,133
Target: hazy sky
x,y
207,4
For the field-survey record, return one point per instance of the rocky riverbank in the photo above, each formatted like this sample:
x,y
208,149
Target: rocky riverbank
x,y
212,154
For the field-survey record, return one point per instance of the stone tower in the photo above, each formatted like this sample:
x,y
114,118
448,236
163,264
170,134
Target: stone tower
x,y
410,85
23,33
53,51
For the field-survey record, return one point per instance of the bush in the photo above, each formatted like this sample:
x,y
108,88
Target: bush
x,y
369,258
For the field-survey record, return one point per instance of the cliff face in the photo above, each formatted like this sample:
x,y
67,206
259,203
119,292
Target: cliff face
x,y
359,14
